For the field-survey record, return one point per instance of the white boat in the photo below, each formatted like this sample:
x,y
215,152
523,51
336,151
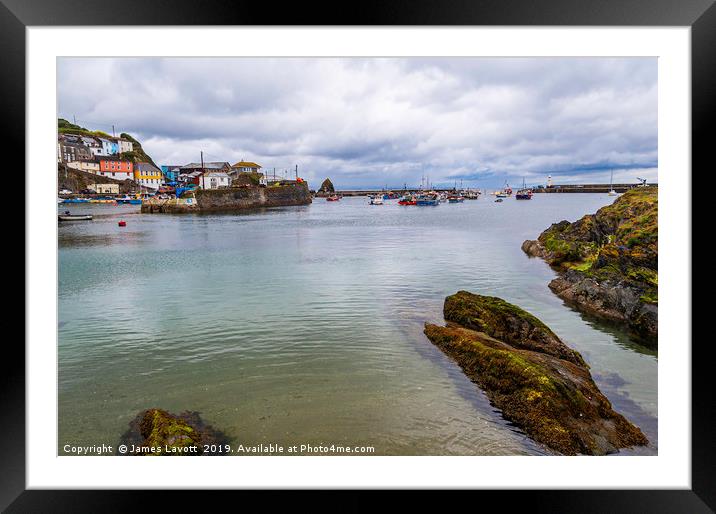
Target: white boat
x,y
611,188
74,217
377,200
60,200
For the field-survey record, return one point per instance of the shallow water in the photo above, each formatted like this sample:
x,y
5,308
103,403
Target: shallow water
x,y
303,325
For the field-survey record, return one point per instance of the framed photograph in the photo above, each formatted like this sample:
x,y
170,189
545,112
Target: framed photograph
x,y
412,248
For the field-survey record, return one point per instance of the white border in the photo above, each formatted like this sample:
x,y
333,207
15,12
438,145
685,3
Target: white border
x,y
670,469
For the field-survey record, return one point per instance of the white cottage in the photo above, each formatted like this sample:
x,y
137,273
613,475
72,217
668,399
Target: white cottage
x,y
124,145
214,179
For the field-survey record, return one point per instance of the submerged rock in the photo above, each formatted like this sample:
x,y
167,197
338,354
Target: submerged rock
x,y
158,432
608,262
538,382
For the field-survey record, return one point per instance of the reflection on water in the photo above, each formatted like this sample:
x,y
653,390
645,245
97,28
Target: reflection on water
x,y
304,324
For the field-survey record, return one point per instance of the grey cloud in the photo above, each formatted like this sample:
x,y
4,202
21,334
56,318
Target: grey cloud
x,y
371,122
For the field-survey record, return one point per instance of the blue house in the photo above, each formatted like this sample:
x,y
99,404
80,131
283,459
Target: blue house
x,y
109,147
171,173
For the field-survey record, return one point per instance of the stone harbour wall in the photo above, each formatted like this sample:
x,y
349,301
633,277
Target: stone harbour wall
x,y
233,199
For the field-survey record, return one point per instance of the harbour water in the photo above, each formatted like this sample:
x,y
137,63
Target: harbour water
x,y
303,325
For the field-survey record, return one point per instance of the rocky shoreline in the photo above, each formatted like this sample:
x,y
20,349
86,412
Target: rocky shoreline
x,y
608,262
538,382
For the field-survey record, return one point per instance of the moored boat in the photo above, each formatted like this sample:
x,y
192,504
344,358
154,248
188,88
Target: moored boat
x,y
377,200
524,193
333,198
126,199
74,217
407,200
455,199
427,199
611,187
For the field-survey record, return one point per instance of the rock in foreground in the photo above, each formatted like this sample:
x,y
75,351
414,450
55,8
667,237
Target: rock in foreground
x,y
158,432
538,382
608,262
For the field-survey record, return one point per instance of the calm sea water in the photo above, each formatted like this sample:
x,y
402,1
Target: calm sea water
x,y
303,325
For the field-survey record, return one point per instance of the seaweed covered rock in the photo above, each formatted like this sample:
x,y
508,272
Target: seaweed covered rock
x,y
527,372
506,322
326,187
608,261
158,432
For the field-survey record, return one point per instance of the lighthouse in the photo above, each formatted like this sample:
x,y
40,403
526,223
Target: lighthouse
x,y
549,181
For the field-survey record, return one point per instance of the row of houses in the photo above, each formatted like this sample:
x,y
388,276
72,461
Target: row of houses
x,y
78,147
214,175
103,156
209,175
144,173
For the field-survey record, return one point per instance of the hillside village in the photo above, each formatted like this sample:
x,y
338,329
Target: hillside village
x,y
116,160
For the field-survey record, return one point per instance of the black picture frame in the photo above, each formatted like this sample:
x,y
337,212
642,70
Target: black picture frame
x,y
700,15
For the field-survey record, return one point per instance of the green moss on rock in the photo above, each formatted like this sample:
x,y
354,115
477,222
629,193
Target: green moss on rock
x,y
506,322
552,398
161,429
158,432
618,248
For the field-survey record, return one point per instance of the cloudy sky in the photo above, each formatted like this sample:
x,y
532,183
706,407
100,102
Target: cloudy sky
x,y
372,122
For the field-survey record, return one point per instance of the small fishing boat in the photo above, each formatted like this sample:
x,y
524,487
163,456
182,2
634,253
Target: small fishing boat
x,y
377,200
428,199
73,217
60,200
407,200
455,199
524,193
333,198
499,200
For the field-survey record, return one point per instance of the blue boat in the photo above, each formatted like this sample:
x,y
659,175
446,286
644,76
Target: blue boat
x,y
428,199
